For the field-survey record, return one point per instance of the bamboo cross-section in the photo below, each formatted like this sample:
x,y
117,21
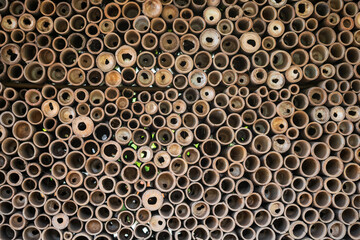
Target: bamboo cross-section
x,y
179,119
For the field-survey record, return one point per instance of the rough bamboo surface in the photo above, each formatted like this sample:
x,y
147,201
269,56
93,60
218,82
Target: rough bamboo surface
x,y
179,119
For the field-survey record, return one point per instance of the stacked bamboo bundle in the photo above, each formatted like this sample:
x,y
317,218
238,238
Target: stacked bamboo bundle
x,y
179,119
